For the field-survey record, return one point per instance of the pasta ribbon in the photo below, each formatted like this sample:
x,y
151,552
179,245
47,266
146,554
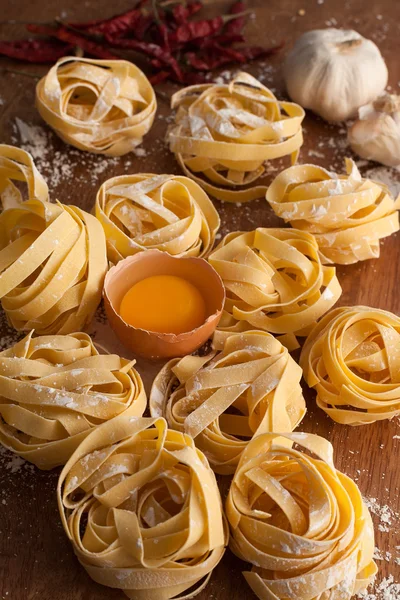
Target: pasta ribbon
x,y
302,524
226,133
101,106
352,359
274,281
347,214
52,266
16,165
142,509
163,212
222,400
55,389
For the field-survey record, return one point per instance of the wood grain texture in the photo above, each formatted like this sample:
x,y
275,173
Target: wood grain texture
x,y
36,561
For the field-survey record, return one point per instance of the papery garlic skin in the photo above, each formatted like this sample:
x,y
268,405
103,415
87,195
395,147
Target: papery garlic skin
x,y
333,72
376,133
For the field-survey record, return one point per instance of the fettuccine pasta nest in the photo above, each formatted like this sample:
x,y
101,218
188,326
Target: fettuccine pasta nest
x,y
302,524
52,266
162,212
16,167
225,133
347,214
274,281
101,106
55,389
225,398
352,359
142,509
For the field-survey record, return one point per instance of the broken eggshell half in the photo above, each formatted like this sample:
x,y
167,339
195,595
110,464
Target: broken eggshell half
x,y
150,344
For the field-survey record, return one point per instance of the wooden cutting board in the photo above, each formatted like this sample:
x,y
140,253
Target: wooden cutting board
x,y
36,561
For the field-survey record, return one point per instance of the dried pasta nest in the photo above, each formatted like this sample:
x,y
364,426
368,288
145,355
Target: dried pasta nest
x,y
101,106
18,169
142,509
352,359
274,281
347,214
162,212
223,134
55,389
52,266
222,400
302,524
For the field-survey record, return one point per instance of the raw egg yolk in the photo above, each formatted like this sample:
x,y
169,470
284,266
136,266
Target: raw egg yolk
x,y
164,304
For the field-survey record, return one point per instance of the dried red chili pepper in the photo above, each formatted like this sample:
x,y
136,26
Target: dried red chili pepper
x,y
34,51
159,77
234,55
237,24
223,38
152,50
164,35
157,64
195,61
92,48
181,13
116,25
207,61
192,30
143,25
73,39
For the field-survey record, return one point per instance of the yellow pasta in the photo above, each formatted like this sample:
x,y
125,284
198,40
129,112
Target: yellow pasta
x,y
52,266
274,281
302,524
222,400
352,359
226,133
101,106
163,212
347,214
142,509
16,165
55,389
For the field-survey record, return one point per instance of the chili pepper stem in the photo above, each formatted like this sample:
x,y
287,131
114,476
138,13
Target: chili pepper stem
x,y
25,73
155,11
172,2
227,18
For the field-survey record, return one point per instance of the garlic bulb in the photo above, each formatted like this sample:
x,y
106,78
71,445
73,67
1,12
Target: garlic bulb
x,y
333,72
376,133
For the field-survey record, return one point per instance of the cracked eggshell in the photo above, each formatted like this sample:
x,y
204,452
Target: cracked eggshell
x,y
149,344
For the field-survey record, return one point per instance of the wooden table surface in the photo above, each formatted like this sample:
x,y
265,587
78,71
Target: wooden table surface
x,y
36,560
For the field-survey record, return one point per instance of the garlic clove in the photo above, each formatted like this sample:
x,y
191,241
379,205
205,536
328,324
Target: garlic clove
x,y
376,133
333,72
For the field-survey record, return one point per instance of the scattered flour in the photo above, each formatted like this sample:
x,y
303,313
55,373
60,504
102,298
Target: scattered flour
x,y
382,555
388,176
12,462
59,166
387,589
140,152
384,513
